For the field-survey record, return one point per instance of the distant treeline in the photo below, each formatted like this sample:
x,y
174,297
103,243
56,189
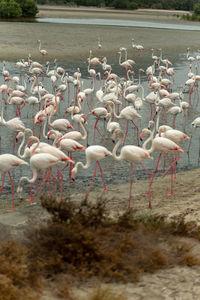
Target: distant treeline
x,y
18,8
129,4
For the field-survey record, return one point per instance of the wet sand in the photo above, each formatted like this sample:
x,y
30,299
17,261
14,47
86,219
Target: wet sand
x,y
67,42
63,42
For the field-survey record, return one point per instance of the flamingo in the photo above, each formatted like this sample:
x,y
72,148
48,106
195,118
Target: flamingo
x,y
96,153
98,113
42,51
76,135
140,48
164,146
7,163
128,113
174,135
68,145
133,154
48,156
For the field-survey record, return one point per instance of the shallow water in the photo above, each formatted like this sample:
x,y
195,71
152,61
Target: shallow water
x,y
114,172
123,23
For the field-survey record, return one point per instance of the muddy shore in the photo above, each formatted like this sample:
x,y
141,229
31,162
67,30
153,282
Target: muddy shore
x,y
63,41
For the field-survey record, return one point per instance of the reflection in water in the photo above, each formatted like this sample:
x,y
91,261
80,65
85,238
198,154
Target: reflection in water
x,y
114,172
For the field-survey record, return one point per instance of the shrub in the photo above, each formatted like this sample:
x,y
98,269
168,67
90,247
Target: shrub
x,y
10,9
29,8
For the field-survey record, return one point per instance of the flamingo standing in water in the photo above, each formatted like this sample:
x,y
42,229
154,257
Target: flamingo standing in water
x,y
48,157
174,135
133,154
7,163
94,152
42,51
128,113
164,146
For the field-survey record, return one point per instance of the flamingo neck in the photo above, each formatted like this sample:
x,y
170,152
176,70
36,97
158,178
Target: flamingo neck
x,y
20,147
114,152
34,138
150,138
84,131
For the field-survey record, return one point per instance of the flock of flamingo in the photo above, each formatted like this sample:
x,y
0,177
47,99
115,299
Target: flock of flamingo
x,y
117,100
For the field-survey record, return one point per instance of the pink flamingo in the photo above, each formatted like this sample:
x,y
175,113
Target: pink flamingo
x,y
164,146
94,152
133,154
174,135
128,113
7,163
99,112
47,157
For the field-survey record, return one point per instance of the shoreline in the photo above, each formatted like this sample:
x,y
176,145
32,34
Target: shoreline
x,y
18,39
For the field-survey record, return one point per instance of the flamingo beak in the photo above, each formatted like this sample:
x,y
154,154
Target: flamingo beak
x,y
141,135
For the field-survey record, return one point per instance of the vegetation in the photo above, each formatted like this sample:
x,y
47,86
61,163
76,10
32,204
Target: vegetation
x,y
129,4
18,8
28,8
82,242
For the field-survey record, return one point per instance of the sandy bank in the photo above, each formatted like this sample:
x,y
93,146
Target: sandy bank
x,y
67,41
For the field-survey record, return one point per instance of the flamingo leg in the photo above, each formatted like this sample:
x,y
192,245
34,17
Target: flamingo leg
x,y
94,175
127,123
61,183
42,185
171,192
154,173
131,184
1,188
174,163
12,187
105,188
137,132
146,170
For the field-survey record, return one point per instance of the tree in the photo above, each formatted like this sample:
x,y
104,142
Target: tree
x,y
29,8
10,9
197,8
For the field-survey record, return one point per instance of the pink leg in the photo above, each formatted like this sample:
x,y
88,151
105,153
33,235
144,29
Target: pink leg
x,y
61,182
126,132
42,185
12,187
170,194
174,163
146,171
154,173
137,132
105,188
1,188
94,175
95,127
131,184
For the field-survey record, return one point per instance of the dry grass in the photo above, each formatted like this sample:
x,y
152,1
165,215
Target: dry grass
x,y
83,242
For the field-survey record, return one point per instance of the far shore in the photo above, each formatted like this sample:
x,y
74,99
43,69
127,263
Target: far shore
x,y
68,42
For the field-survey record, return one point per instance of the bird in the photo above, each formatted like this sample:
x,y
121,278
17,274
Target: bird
x,y
42,51
46,158
132,153
96,153
99,112
74,134
128,113
140,48
7,163
174,135
164,146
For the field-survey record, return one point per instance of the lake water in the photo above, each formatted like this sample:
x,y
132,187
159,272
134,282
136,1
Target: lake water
x,y
124,23
115,172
